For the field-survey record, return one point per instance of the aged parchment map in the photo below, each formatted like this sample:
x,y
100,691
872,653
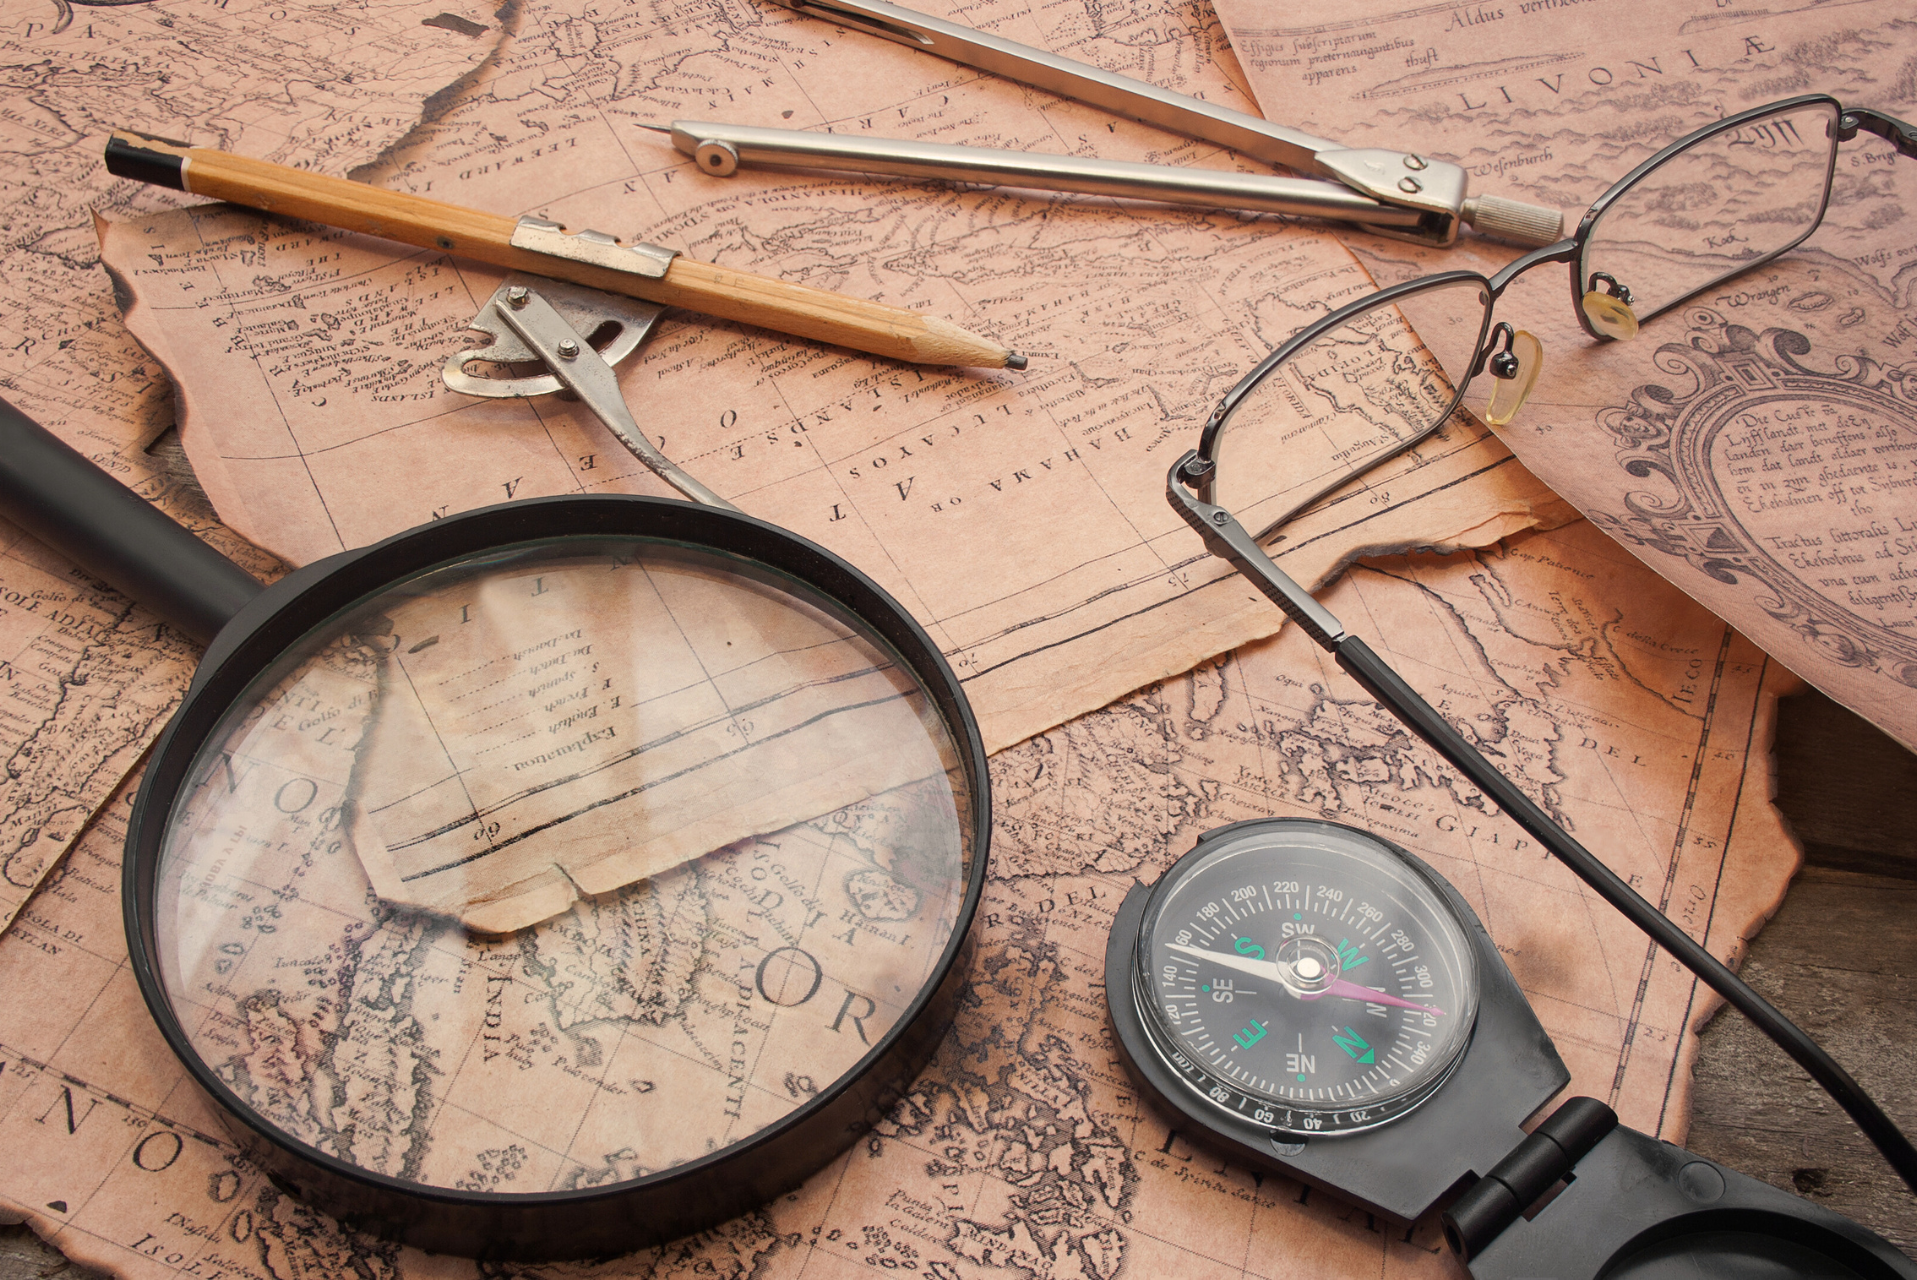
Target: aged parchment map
x,y
1751,446
89,677
1626,709
309,362
1763,463
1024,1152
331,85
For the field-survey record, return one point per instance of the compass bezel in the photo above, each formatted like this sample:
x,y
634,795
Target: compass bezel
x,y
1397,1170
1325,841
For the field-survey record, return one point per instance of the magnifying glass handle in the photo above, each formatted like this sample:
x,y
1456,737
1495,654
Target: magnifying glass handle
x,y
55,494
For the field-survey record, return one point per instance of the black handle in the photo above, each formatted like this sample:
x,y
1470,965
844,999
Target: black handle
x,y
1390,689
113,533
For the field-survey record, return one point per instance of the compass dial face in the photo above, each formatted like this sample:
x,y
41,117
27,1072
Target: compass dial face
x,y
1306,976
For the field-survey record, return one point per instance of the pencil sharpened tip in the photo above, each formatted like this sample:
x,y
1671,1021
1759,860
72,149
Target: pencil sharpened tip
x,y
1013,360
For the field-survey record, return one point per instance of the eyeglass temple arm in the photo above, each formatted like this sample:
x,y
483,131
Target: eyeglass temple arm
x,y
1889,128
1226,538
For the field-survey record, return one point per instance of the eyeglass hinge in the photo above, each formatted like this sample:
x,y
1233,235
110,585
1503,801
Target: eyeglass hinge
x,y
1889,128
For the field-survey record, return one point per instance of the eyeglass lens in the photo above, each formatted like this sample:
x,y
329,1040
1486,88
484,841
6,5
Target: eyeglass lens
x,y
1351,397
1715,208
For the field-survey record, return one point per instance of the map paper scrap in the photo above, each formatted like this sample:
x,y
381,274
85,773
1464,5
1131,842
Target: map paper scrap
x,y
330,85
1755,445
1020,518
91,678
501,739
87,680
1623,707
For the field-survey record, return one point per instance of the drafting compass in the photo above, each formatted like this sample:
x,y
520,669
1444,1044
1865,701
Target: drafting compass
x,y
1401,194
550,337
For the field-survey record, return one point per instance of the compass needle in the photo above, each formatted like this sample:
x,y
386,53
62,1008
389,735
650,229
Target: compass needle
x,y
1352,991
1243,964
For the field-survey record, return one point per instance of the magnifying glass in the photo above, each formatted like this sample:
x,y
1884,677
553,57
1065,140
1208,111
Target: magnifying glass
x,y
547,881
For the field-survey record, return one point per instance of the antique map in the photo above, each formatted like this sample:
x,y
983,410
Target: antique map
x,y
1024,1151
312,405
89,678
1751,446
1625,709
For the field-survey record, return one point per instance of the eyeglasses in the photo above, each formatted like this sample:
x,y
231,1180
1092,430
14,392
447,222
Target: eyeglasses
x,y
1373,378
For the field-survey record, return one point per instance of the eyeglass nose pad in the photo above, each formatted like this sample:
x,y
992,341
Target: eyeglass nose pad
x,y
1608,308
1514,371
1610,317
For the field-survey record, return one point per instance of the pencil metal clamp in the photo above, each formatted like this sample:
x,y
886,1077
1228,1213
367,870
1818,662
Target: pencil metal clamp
x,y
576,335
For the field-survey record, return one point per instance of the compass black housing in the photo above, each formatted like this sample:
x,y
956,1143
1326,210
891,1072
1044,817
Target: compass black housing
x,y
1630,1207
1580,1197
1399,1169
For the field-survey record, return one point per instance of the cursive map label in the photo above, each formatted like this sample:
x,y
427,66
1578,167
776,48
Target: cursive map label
x,y
1772,465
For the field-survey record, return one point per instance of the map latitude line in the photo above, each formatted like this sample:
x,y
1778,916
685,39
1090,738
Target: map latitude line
x,y
1706,722
1675,1081
1449,449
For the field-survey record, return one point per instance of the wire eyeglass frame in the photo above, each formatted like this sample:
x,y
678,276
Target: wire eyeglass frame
x,y
1494,339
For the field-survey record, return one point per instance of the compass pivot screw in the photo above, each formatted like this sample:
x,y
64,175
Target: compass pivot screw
x,y
568,349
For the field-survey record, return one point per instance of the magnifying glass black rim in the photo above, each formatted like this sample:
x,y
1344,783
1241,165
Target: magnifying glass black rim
x,y
626,1215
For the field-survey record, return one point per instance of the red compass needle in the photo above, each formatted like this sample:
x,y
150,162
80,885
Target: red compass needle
x,y
1352,991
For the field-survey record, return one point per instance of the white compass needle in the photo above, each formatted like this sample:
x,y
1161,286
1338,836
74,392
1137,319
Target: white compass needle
x,y
1244,964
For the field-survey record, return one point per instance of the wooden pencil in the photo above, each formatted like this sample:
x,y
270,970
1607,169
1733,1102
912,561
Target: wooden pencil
x,y
779,305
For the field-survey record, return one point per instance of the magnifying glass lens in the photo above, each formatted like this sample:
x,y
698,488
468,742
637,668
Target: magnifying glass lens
x,y
555,867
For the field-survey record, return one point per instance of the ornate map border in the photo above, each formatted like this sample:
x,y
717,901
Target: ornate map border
x,y
1668,431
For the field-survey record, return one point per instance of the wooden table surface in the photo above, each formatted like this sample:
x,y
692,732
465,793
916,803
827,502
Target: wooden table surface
x,y
1839,957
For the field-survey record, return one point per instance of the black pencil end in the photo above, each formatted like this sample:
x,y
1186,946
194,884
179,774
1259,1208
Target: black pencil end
x,y
126,158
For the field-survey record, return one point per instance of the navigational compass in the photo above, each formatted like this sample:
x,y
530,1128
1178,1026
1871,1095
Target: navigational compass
x,y
1313,999
1308,994
1241,960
